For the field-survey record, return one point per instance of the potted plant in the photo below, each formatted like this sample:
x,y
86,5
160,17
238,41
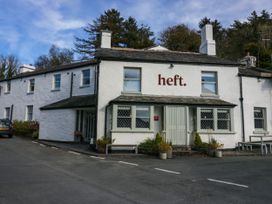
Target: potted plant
x,y
214,148
101,144
163,148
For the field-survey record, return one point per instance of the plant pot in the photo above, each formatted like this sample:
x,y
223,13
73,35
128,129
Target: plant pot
x,y
101,149
163,155
170,153
211,152
218,153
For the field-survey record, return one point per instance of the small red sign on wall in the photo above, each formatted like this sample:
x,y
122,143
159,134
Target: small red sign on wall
x,y
156,118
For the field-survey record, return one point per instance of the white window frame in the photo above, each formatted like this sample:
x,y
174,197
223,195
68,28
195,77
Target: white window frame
x,y
214,83
260,130
7,112
133,119
8,87
82,78
27,113
54,88
29,86
132,79
215,120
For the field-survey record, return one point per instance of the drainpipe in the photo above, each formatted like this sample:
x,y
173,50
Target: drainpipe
x,y
11,113
106,119
96,89
242,107
71,85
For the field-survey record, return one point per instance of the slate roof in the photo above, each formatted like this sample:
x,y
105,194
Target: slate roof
x,y
171,100
255,72
54,69
85,101
124,54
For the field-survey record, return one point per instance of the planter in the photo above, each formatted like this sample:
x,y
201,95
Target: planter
x,y
211,153
101,149
170,153
218,153
163,156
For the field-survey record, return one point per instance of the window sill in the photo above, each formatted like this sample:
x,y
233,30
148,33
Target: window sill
x,y
7,92
84,86
29,93
210,95
260,132
132,131
131,93
215,132
55,90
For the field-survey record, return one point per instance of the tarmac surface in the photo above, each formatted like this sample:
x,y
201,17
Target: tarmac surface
x,y
35,173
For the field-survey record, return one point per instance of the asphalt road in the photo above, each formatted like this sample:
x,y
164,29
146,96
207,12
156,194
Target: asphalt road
x,y
31,173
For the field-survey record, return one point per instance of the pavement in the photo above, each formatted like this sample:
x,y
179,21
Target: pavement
x,y
35,173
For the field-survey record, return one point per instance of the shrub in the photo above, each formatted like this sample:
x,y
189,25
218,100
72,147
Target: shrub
x,y
164,147
35,135
151,146
213,144
103,141
197,141
25,128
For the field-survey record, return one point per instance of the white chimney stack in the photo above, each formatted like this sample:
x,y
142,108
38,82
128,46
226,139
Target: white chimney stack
x,y
105,39
207,43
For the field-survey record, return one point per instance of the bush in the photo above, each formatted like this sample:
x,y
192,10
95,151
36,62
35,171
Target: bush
x,y
35,135
164,147
151,146
197,141
25,128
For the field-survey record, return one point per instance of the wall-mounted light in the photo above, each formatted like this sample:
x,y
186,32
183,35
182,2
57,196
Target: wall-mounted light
x,y
171,66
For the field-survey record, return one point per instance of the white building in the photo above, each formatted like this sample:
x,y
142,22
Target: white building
x,y
130,95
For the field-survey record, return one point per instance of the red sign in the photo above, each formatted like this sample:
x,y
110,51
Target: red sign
x,y
156,118
177,80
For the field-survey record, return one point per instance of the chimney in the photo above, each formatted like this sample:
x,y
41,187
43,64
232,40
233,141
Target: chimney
x,y
26,68
248,61
105,39
207,43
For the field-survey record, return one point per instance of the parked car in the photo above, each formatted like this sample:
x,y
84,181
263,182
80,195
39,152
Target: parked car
x,y
6,127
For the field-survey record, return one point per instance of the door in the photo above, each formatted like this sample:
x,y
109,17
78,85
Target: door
x,y
176,124
89,125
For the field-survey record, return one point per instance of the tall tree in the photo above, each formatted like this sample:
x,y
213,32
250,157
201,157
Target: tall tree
x,y
125,33
180,38
55,57
8,66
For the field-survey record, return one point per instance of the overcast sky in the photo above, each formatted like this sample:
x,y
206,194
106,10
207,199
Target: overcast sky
x,y
29,27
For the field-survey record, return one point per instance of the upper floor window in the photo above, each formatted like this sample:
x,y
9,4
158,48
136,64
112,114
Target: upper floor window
x,y
132,80
86,77
56,81
259,118
29,113
7,113
209,83
8,87
31,85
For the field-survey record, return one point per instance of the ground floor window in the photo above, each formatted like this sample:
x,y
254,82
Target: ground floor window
x,y
132,117
29,113
259,118
215,119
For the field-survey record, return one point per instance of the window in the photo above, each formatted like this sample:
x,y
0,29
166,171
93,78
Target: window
x,y
31,85
209,83
133,117
142,117
215,119
56,82
132,80
124,117
8,87
86,75
7,113
29,113
260,118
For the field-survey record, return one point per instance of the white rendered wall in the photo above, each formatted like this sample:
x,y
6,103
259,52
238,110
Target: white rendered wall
x,y
111,87
257,93
43,94
58,125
